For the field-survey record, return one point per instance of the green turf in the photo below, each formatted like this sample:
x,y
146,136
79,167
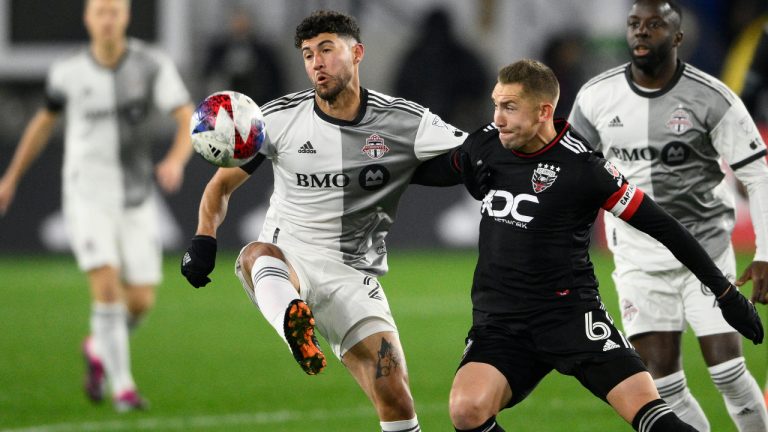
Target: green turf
x,y
208,361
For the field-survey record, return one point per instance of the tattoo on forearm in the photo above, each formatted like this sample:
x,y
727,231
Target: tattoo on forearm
x,y
388,360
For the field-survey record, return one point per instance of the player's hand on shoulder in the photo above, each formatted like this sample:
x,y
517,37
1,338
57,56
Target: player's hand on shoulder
x,y
757,272
475,176
199,260
741,314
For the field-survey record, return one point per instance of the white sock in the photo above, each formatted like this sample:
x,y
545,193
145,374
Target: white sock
x,y
110,341
272,290
674,390
411,425
743,397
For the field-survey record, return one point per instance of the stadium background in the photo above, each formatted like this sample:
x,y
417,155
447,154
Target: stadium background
x,y
202,340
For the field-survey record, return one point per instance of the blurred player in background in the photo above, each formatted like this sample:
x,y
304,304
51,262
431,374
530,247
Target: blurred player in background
x,y
535,300
342,155
107,92
753,94
667,126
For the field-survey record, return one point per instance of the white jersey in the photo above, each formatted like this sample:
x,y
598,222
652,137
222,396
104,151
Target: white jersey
x,y
108,112
671,143
338,183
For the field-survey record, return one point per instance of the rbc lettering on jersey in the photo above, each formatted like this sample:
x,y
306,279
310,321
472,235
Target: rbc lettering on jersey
x,y
509,207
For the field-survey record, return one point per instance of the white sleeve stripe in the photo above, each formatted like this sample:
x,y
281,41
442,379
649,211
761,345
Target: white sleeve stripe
x,y
573,144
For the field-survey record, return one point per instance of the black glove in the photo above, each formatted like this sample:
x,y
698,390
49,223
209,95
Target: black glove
x,y
476,178
741,314
199,260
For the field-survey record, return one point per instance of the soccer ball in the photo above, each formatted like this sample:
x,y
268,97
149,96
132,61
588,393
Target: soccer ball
x,y
227,129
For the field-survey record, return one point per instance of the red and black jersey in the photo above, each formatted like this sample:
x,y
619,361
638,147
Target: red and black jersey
x,y
537,223
537,220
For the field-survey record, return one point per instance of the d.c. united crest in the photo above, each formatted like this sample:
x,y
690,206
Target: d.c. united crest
x,y
543,176
374,147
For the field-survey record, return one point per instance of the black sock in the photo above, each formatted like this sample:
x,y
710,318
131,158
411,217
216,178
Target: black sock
x,y
490,425
656,416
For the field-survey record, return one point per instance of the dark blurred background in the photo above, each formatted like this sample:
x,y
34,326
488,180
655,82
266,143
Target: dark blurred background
x,y
441,53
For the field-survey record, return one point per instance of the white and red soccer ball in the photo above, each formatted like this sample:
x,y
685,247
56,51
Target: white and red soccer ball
x,y
227,129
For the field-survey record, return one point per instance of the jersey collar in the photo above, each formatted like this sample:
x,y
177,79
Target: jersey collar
x,y
339,122
656,93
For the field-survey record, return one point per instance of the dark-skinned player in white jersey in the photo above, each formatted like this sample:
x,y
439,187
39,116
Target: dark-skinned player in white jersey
x,y
669,127
536,305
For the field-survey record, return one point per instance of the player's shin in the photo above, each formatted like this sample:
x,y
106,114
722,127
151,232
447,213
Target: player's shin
x,y
656,416
674,390
273,290
742,395
110,337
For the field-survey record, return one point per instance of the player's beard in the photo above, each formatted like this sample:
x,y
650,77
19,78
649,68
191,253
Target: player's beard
x,y
329,94
651,62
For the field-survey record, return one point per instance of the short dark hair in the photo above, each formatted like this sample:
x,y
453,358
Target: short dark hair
x,y
672,5
537,79
325,21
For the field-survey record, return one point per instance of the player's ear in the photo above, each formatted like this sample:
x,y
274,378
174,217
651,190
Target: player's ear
x,y
358,52
546,111
678,39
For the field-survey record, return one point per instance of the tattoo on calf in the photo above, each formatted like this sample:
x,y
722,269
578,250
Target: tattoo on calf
x,y
388,360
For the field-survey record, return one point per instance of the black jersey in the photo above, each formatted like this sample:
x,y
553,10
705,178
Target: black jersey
x,y
537,222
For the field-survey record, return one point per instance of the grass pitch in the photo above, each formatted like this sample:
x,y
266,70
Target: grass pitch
x,y
208,361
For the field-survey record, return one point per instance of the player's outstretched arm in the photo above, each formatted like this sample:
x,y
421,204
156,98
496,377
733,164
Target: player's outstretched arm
x,y
200,258
33,141
170,170
739,312
453,168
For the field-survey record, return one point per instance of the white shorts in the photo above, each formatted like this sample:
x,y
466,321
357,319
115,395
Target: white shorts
x,y
127,240
665,300
348,305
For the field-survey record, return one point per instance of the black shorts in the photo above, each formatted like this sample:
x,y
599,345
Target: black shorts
x,y
577,342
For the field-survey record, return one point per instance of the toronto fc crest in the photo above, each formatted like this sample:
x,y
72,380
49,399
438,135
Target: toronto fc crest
x,y
543,177
374,147
679,121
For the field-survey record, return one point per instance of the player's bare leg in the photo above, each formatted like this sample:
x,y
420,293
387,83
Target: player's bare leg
x,y
274,289
378,364
661,353
109,330
636,400
478,393
741,393
139,299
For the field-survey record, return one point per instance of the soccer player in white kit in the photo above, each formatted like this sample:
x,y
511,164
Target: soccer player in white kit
x,y
668,126
342,155
107,93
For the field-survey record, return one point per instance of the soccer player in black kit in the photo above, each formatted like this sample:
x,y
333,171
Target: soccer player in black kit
x,y
536,305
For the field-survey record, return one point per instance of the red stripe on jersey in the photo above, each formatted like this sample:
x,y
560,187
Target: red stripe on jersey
x,y
624,202
634,203
613,199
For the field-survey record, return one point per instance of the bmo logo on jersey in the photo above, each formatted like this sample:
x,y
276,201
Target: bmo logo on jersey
x,y
322,181
508,208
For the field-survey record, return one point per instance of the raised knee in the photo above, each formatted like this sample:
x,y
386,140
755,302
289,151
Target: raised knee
x,y
255,250
467,413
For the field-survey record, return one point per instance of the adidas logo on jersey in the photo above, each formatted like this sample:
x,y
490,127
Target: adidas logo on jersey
x,y
616,122
609,345
307,148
